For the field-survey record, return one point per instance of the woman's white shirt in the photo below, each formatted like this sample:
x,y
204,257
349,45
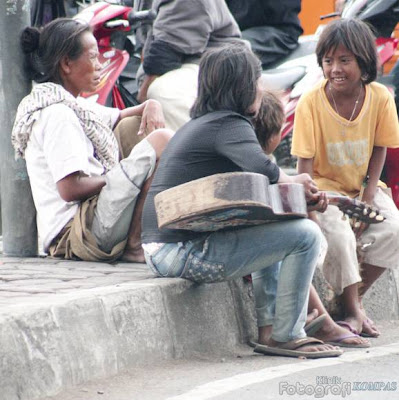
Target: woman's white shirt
x,y
58,147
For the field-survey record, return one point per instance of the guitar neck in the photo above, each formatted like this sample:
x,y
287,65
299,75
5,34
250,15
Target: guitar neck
x,y
339,199
356,209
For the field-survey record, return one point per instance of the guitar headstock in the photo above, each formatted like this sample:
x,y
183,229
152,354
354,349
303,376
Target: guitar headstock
x,y
357,210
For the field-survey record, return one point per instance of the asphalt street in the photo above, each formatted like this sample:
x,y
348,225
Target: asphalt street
x,y
361,374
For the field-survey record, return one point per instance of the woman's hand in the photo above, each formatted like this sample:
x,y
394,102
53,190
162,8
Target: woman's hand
x,y
152,117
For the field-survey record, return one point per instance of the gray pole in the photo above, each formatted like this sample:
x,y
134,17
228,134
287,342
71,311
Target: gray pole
x,y
17,208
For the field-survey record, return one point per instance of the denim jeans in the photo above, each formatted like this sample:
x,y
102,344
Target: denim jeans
x,y
227,255
265,283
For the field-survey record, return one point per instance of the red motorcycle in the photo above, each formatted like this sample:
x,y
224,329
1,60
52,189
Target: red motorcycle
x,y
114,27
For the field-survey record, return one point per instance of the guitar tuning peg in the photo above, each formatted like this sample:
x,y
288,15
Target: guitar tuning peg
x,y
365,211
373,214
357,224
344,218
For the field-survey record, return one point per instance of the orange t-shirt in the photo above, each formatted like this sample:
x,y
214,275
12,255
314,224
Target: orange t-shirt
x,y
340,149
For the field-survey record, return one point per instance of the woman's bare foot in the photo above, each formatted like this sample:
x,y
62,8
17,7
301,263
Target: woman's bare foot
x,y
133,256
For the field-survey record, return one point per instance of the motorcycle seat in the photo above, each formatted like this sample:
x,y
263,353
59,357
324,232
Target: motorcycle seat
x,y
306,46
282,79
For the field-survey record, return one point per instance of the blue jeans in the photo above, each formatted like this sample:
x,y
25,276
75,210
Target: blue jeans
x,y
227,255
265,283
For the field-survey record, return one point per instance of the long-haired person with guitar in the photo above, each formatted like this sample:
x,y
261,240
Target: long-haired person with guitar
x,y
220,139
342,129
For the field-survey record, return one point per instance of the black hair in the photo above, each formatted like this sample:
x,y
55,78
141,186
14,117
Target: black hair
x,y
358,38
44,48
270,118
227,80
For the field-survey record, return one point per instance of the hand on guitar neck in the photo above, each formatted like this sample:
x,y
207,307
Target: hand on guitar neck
x,y
358,211
319,204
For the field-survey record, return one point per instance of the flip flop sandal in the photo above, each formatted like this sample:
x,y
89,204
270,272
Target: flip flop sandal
x,y
252,343
291,349
313,326
367,324
339,341
347,326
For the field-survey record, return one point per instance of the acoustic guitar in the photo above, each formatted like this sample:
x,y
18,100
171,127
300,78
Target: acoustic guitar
x,y
225,201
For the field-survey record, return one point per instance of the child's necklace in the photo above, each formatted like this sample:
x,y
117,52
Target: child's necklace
x,y
345,126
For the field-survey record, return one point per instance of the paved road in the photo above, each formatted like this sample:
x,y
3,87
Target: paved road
x,y
367,374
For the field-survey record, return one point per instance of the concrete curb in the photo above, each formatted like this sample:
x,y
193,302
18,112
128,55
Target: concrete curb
x,y
66,323
103,332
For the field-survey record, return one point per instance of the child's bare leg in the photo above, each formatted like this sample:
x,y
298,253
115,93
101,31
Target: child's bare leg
x,y
134,251
370,273
351,300
351,304
330,331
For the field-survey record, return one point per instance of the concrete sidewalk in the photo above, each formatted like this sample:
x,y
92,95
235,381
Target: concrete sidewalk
x,y
63,323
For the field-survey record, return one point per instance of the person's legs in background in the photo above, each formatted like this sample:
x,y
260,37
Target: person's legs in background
x,y
176,91
377,250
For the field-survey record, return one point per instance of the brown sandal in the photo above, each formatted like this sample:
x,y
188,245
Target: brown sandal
x,y
291,349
